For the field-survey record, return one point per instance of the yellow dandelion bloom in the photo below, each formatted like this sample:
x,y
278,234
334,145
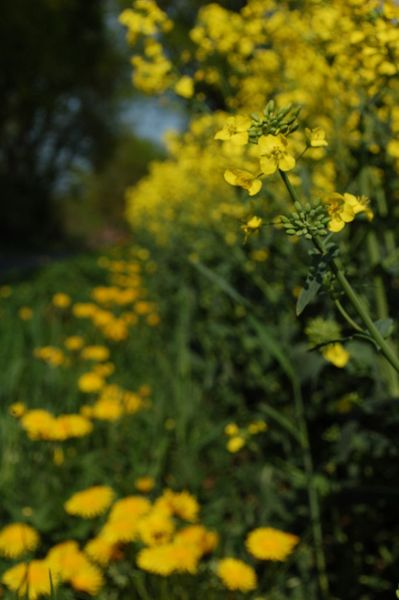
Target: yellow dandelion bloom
x,y
267,543
235,443
74,342
38,423
17,409
29,580
16,539
61,300
88,578
236,575
169,558
231,429
244,179
274,154
100,550
70,426
131,507
182,504
64,559
90,502
155,528
197,535
98,353
90,383
144,484
107,409
25,313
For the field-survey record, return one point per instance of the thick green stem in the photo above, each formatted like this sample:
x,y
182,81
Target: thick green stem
x,y
352,296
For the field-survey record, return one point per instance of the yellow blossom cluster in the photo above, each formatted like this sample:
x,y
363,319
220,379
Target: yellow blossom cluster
x,y
41,424
238,437
346,57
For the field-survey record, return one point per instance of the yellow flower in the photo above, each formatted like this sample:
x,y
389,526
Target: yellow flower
x,y
61,300
181,504
74,342
185,87
235,443
235,130
25,313
169,558
274,154
343,208
38,423
29,580
252,225
336,354
393,148
243,179
316,137
87,578
198,535
257,427
70,426
16,539
17,409
144,484
90,502
231,429
267,543
100,550
98,353
155,528
90,383
236,575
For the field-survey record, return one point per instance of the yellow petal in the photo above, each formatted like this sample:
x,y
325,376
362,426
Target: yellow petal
x,y
255,187
230,176
336,225
268,165
286,163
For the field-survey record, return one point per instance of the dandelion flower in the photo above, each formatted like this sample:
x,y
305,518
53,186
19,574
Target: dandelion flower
x,y
29,580
236,575
91,502
267,543
16,539
144,484
100,550
61,300
90,383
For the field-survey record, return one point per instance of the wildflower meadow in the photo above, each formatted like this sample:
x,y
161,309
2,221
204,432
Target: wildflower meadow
x,y
208,406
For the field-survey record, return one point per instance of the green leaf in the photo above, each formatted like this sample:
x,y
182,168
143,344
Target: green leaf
x,y
307,295
385,327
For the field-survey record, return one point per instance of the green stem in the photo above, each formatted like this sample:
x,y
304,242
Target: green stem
x,y
313,496
352,296
347,317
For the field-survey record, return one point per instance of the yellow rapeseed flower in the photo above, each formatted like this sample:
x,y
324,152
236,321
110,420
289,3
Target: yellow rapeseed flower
x,y
342,209
267,543
244,179
274,154
91,502
231,429
236,575
336,354
316,137
185,87
235,129
16,539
